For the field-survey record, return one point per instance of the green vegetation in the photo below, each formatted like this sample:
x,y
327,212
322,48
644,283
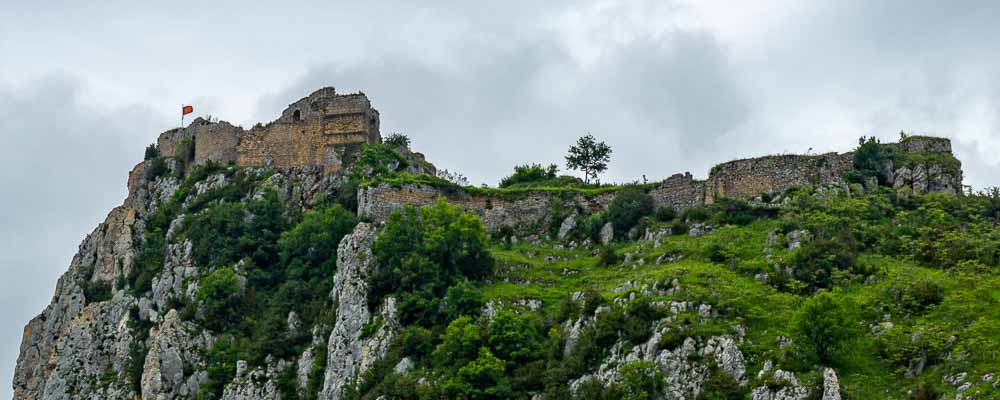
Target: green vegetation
x,y
589,156
530,174
824,324
423,253
152,151
397,140
627,208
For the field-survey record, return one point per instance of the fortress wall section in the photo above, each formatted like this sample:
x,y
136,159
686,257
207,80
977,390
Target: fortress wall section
x,y
749,178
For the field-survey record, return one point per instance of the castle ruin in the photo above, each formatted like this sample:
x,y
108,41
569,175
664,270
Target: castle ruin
x,y
323,129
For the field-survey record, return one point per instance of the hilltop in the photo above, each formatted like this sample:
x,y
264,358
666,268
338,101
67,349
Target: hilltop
x,y
313,258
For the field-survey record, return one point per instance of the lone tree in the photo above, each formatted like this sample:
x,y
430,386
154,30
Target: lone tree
x,y
589,156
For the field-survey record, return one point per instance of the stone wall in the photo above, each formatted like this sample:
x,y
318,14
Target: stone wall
x,y
324,129
744,179
679,191
215,142
524,210
749,178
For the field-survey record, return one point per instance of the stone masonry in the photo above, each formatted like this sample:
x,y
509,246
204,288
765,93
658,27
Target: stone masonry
x,y
324,129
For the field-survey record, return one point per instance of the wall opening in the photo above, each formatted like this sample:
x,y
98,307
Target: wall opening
x,y
296,116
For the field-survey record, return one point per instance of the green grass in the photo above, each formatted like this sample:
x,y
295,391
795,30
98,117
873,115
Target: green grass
x,y
969,305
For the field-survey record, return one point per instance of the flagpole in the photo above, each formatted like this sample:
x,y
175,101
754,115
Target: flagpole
x,y
182,116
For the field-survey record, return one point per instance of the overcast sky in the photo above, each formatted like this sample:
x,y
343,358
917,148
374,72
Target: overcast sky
x,y
672,86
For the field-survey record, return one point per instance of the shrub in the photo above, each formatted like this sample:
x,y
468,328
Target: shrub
x,y
665,214
870,158
185,150
460,344
818,260
397,140
528,173
824,324
462,299
738,212
484,378
420,254
152,151
606,256
641,380
380,159
721,386
915,297
514,338
310,248
157,168
627,208
696,214
96,291
220,294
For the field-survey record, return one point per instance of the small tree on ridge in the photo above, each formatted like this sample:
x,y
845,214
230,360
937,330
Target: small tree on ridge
x,y
589,156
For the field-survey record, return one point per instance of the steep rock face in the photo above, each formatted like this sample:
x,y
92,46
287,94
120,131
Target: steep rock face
x,y
76,341
174,350
349,353
79,348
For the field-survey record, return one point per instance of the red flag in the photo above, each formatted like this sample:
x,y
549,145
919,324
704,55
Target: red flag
x,y
187,110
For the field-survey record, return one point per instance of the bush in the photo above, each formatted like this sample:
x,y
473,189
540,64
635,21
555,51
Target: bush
x,y
220,294
420,254
818,260
152,151
397,140
914,297
460,344
185,150
665,214
310,248
462,299
528,173
696,214
738,212
484,378
627,208
824,325
514,338
870,158
380,159
642,380
157,168
606,256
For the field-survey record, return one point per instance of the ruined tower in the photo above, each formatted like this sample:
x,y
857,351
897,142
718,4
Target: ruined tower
x,y
323,129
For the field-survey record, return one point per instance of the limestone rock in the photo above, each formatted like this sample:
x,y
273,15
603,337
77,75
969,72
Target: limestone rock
x,y
797,237
607,233
173,349
831,385
259,384
783,386
348,354
567,226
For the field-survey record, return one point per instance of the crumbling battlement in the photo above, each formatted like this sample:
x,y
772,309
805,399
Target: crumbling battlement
x,y
324,129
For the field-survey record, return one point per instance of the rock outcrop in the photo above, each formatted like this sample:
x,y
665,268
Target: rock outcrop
x,y
349,353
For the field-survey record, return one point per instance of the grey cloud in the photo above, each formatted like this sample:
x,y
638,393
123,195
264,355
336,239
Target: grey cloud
x,y
672,95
